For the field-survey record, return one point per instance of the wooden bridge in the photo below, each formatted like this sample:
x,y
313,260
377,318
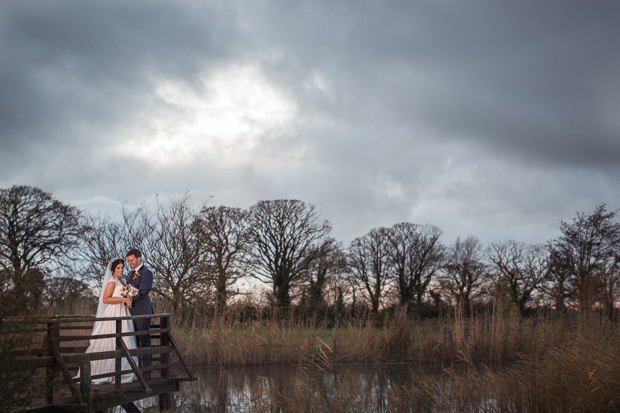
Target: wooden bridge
x,y
63,393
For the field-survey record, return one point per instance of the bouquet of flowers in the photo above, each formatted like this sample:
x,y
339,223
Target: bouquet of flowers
x,y
129,291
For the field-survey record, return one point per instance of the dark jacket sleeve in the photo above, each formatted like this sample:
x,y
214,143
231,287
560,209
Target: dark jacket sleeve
x,y
146,282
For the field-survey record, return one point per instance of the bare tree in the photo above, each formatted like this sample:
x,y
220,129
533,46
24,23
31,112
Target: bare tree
x,y
368,259
416,256
225,241
284,235
103,239
170,241
556,285
338,290
330,263
588,254
520,268
464,271
174,251
37,235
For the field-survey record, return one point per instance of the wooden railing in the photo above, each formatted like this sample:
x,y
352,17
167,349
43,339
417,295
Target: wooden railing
x,y
57,359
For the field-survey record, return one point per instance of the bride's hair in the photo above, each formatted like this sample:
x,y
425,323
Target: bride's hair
x,y
115,264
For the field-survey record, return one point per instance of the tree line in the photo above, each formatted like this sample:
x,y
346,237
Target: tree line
x,y
51,252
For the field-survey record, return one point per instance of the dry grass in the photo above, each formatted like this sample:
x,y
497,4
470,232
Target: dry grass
x,y
485,340
581,376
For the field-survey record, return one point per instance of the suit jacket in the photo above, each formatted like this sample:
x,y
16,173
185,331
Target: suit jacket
x,y
143,281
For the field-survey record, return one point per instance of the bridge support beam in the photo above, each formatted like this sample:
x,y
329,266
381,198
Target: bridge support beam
x,y
86,386
130,407
165,402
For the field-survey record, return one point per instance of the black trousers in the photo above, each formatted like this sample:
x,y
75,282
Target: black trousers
x,y
144,340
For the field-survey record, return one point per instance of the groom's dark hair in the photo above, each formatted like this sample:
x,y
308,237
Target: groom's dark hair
x,y
135,252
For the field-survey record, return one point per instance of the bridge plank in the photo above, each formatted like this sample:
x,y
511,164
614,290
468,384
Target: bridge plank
x,y
111,335
86,319
106,395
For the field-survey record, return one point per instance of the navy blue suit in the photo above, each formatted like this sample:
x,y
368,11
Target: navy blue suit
x,y
143,281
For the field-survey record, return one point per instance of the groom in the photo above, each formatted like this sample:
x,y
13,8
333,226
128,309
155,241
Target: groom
x,y
141,278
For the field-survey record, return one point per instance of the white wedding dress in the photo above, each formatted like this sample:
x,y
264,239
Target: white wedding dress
x,y
107,344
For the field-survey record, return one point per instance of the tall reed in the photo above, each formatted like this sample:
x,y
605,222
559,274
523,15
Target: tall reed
x,y
576,373
483,340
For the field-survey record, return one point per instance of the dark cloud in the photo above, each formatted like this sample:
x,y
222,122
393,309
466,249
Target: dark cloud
x,y
485,118
525,78
67,63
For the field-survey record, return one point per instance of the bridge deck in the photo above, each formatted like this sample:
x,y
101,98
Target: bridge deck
x,y
107,395
64,393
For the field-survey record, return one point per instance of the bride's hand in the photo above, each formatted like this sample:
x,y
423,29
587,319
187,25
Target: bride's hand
x,y
127,300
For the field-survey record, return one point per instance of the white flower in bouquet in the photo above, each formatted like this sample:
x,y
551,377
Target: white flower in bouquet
x,y
129,291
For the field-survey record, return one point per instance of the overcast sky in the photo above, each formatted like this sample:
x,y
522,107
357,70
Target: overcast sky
x,y
486,118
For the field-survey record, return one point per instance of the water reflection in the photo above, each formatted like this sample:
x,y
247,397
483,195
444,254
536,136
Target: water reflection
x,y
349,387
260,388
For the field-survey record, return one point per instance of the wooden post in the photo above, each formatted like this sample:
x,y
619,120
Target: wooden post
x,y
119,346
165,402
53,331
85,385
165,342
165,399
49,371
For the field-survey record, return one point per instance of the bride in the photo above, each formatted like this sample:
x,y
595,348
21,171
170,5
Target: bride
x,y
111,304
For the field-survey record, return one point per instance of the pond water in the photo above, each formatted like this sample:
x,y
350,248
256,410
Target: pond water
x,y
257,388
